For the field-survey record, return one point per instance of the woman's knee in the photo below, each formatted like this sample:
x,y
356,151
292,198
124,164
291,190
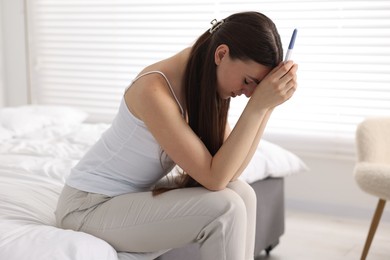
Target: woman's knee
x,y
245,191
228,202
228,226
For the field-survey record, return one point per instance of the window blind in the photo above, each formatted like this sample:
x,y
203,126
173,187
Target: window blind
x,y
84,53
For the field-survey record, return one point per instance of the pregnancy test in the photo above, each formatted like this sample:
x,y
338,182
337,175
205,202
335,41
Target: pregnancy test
x,y
291,45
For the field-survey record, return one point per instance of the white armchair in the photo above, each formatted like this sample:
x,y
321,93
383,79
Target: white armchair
x,y
372,171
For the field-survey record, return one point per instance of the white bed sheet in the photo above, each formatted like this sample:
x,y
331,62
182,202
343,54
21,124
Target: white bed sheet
x,y
33,167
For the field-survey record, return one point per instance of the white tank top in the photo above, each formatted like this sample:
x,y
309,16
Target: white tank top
x,y
125,159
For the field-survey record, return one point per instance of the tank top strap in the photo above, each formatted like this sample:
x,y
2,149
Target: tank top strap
x,y
169,85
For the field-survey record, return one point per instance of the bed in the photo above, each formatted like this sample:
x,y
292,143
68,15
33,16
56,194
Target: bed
x,y
38,146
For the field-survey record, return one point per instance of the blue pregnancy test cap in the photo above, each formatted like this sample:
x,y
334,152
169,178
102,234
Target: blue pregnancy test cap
x,y
292,41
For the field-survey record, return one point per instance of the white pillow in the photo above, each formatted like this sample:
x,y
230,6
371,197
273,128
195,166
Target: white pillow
x,y
271,160
24,119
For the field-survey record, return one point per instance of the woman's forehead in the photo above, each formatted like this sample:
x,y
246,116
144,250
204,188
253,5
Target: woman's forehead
x,y
252,69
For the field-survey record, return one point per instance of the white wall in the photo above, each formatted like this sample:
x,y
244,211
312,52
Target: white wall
x,y
2,74
14,83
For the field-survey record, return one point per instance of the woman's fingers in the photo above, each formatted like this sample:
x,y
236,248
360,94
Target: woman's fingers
x,y
280,70
278,86
286,79
291,84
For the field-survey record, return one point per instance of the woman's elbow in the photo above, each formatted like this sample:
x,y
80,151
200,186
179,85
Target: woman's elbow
x,y
215,186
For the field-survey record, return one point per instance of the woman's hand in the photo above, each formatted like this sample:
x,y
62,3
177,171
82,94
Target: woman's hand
x,y
278,86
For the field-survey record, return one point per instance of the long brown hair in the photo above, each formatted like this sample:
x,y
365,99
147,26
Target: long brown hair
x,y
249,36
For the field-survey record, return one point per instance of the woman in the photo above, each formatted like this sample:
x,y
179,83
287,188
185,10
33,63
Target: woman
x,y
175,112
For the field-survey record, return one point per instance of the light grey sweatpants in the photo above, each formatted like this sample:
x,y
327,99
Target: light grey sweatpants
x,y
223,222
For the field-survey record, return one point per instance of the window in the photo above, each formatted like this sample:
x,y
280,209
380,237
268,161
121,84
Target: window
x,y
84,53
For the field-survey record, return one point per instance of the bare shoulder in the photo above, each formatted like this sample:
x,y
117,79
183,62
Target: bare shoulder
x,y
149,93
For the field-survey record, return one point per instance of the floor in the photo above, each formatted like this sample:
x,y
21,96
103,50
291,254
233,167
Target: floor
x,y
310,236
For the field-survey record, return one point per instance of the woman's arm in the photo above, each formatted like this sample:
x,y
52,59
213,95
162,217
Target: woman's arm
x,y
153,104
254,146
